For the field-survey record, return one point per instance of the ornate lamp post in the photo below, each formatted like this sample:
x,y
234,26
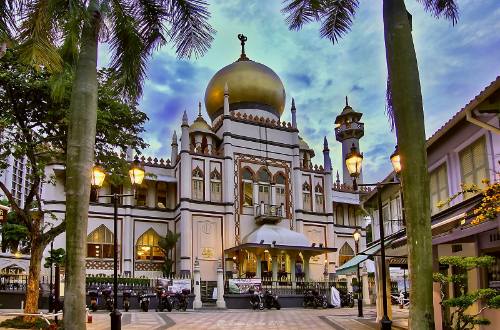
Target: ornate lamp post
x,y
353,162
357,236
136,174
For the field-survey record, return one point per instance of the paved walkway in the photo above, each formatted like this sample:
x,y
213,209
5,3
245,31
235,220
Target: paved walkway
x,y
299,319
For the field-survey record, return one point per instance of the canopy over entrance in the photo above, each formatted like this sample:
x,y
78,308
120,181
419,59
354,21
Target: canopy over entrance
x,y
276,239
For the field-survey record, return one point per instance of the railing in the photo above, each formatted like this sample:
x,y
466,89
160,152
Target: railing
x,y
269,212
287,287
17,282
136,285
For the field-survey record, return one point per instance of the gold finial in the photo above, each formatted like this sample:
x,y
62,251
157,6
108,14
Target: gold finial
x,y
346,101
243,39
199,108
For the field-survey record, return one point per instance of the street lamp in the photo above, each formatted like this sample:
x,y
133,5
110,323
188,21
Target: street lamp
x,y
353,162
136,174
357,236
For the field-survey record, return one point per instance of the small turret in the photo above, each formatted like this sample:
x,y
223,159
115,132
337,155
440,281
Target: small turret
x,y
175,148
327,162
226,100
185,133
294,114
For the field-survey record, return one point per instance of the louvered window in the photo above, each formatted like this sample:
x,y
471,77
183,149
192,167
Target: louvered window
x,y
473,164
438,187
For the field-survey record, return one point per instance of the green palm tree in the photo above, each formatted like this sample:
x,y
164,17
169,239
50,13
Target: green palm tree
x,y
167,245
64,34
406,111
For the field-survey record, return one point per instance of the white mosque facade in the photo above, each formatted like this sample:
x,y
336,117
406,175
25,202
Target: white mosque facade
x,y
241,189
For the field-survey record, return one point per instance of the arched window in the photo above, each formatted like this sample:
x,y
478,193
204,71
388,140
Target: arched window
x,y
280,187
345,254
141,194
198,184
306,196
264,178
339,215
352,215
215,186
247,186
100,243
147,246
319,199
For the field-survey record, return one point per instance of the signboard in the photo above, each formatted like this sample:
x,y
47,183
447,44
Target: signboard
x,y
180,284
3,213
241,285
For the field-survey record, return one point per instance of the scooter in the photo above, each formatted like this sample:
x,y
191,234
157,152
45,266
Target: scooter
x,y
108,298
94,300
143,301
256,299
163,299
180,300
126,299
319,300
271,300
347,300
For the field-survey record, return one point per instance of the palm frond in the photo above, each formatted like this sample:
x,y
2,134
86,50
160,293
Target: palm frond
x,y
301,12
189,28
10,10
71,23
37,36
127,45
442,8
336,18
151,16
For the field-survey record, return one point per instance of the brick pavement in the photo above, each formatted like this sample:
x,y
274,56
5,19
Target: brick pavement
x,y
299,319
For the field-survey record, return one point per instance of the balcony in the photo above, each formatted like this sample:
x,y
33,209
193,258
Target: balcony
x,y
267,213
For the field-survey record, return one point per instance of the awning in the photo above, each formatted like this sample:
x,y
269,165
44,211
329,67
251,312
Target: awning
x,y
351,266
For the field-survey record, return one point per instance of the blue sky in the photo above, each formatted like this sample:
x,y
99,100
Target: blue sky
x,y
455,64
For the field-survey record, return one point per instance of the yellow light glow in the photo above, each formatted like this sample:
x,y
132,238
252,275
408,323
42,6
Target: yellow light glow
x,y
396,161
353,161
98,176
136,173
356,235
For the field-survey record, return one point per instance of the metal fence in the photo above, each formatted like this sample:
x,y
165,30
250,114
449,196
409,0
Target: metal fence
x,y
17,282
300,287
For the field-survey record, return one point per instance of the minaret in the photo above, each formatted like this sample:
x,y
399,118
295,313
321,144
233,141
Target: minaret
x,y
348,131
294,114
327,162
185,133
175,149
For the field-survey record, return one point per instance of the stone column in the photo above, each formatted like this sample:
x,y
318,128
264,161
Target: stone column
x,y
366,287
306,268
275,267
349,283
258,272
197,285
293,276
220,286
256,193
378,281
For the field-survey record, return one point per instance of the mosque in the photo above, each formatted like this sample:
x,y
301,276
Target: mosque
x,y
240,189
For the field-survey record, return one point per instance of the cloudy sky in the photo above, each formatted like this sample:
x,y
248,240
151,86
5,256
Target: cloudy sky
x,y
455,64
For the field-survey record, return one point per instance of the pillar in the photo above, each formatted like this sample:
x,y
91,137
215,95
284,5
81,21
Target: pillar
x,y
256,193
275,267
197,285
366,287
258,272
306,268
293,276
220,286
349,283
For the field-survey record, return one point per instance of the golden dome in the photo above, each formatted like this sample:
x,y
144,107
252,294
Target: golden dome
x,y
251,86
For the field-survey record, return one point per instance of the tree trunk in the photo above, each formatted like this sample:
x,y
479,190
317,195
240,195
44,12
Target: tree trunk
x,y
409,121
33,288
80,158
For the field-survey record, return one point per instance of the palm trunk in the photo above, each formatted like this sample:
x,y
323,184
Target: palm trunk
x,y
80,158
33,288
409,121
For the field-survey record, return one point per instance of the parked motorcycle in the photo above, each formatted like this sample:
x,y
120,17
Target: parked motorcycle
x,y
271,300
143,301
347,300
94,300
180,300
107,294
256,299
163,299
126,299
312,298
